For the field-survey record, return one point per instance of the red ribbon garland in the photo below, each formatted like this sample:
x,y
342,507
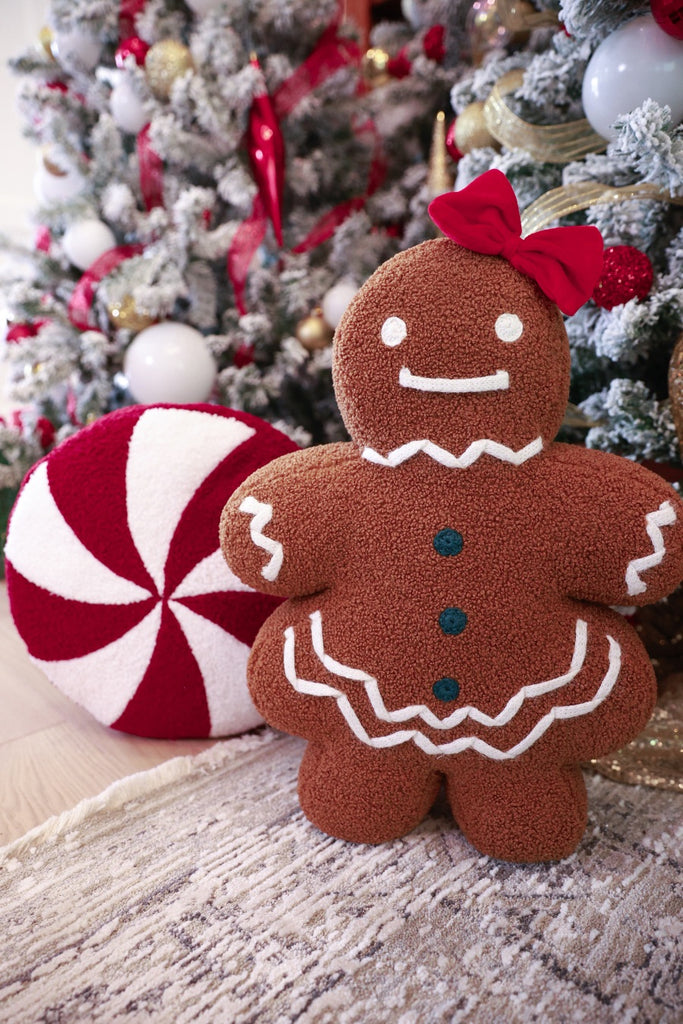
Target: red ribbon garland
x,y
128,12
328,223
331,53
266,150
80,303
151,170
245,242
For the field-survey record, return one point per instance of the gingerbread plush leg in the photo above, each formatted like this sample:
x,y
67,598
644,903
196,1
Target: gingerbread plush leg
x,y
519,812
363,795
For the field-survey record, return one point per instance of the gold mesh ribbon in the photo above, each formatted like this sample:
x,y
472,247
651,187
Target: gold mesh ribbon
x,y
570,198
554,144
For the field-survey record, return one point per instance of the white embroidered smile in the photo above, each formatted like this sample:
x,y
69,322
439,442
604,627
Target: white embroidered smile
x,y
498,381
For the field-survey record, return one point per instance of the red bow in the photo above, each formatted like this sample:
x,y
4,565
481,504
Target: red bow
x,y
565,263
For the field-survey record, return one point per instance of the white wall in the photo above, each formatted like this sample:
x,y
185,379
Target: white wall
x,y
20,23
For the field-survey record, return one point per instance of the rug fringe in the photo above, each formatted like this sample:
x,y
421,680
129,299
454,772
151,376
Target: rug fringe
x,y
137,785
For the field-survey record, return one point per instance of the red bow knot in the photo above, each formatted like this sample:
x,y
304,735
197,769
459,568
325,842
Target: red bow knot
x,y
565,263
510,248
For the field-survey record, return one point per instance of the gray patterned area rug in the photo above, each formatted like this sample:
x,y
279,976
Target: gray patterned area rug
x,y
198,892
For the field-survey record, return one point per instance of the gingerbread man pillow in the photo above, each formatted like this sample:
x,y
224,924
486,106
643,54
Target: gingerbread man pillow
x,y
451,570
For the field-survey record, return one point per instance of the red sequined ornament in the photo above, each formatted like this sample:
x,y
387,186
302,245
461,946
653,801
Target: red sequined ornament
x,y
669,16
626,274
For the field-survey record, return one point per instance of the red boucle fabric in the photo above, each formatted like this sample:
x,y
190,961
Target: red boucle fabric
x,y
115,578
450,571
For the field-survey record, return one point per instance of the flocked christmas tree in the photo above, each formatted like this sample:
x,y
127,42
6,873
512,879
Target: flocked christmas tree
x,y
584,119
615,65
212,173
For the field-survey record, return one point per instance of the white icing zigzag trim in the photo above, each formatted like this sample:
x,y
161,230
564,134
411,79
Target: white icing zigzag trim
x,y
498,381
459,715
665,515
563,711
484,446
263,513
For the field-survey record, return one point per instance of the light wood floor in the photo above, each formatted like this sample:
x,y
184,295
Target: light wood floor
x,y
52,752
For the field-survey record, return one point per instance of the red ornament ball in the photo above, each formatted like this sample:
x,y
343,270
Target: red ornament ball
x,y
399,66
626,274
669,16
433,43
451,147
133,45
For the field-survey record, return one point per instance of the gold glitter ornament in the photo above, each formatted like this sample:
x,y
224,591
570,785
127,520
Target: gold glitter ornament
x,y
374,67
124,314
470,129
314,332
485,27
166,61
522,18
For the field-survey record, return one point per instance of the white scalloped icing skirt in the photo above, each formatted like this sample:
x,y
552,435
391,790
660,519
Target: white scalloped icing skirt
x,y
558,712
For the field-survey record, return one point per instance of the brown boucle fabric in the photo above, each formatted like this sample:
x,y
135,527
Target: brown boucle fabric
x,y
419,590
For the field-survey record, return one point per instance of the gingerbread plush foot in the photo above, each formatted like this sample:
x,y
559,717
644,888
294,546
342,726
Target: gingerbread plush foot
x,y
513,812
357,794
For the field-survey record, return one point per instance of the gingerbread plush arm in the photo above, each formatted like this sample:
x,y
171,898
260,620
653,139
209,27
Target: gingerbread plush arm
x,y
277,531
622,530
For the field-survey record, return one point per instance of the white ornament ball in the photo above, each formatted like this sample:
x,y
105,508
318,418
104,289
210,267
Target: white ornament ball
x,y
85,241
169,362
127,108
416,12
76,46
57,188
637,62
202,6
336,300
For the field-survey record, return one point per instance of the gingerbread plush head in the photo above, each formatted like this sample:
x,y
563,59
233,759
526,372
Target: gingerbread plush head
x,y
457,347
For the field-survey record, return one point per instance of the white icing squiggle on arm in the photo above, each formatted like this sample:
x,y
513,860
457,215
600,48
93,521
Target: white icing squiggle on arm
x,y
665,515
263,513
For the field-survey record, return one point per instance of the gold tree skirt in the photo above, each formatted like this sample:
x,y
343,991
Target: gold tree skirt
x,y
655,757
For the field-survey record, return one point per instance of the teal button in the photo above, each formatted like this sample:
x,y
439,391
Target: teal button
x,y
448,542
446,689
452,621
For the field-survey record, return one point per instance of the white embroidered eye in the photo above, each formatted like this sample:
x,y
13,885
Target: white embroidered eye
x,y
394,330
509,327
